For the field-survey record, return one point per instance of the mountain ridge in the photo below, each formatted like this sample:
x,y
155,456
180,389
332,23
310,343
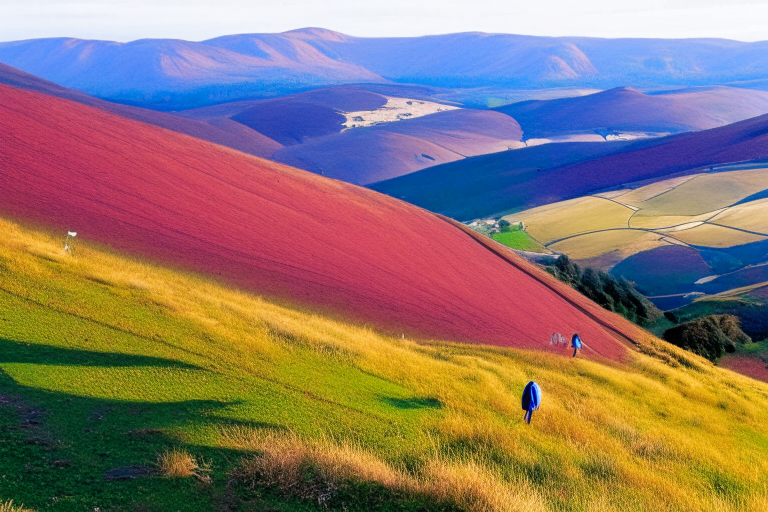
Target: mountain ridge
x,y
173,74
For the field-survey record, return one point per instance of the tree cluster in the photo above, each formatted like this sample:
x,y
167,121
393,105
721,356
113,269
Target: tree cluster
x,y
617,295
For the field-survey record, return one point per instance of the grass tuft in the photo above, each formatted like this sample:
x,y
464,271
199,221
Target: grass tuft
x,y
8,506
178,463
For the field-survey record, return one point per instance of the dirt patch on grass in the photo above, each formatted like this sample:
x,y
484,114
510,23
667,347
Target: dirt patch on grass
x,y
128,472
30,419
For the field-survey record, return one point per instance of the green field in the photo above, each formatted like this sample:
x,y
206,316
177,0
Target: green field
x,y
107,362
518,239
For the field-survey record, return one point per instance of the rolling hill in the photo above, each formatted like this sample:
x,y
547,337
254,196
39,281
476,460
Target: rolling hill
x,y
110,366
366,155
628,110
174,74
230,333
293,118
279,231
264,127
488,185
311,126
219,131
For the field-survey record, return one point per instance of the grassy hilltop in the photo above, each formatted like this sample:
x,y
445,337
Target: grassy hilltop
x,y
107,363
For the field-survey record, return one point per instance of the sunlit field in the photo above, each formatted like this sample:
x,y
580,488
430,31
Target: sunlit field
x,y
128,386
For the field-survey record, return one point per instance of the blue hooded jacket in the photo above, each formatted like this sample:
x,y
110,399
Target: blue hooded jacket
x,y
531,399
576,341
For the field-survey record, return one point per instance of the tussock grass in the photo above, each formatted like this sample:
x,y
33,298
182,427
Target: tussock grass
x,y
178,463
321,470
334,413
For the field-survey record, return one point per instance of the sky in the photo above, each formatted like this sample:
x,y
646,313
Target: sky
x,y
195,20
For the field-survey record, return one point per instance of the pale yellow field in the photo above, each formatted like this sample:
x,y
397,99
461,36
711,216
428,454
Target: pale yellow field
x,y
706,192
629,241
709,235
752,216
637,196
643,220
559,220
613,193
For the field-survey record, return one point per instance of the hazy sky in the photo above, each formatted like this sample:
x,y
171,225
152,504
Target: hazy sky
x,y
124,20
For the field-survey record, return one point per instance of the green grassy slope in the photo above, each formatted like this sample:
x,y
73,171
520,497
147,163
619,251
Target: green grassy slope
x,y
106,362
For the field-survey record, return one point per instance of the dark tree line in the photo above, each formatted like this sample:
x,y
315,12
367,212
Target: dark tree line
x,y
617,295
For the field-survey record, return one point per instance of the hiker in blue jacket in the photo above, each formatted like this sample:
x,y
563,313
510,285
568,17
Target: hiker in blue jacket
x,y
576,344
531,400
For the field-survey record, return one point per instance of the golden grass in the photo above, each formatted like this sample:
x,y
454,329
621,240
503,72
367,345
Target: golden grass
x,y
733,293
178,463
8,506
613,193
285,460
645,220
558,220
664,430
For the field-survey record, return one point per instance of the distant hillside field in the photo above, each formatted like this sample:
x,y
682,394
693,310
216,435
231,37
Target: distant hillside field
x,y
366,155
294,118
108,363
695,234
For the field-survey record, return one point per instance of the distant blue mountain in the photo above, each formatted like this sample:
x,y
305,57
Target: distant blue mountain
x,y
174,74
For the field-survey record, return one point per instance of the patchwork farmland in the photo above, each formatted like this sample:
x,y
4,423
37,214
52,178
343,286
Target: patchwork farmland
x,y
676,238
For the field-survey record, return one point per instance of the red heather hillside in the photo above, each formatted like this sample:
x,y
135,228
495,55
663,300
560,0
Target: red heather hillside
x,y
277,230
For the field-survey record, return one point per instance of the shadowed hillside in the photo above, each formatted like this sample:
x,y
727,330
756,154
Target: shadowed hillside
x,y
294,118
